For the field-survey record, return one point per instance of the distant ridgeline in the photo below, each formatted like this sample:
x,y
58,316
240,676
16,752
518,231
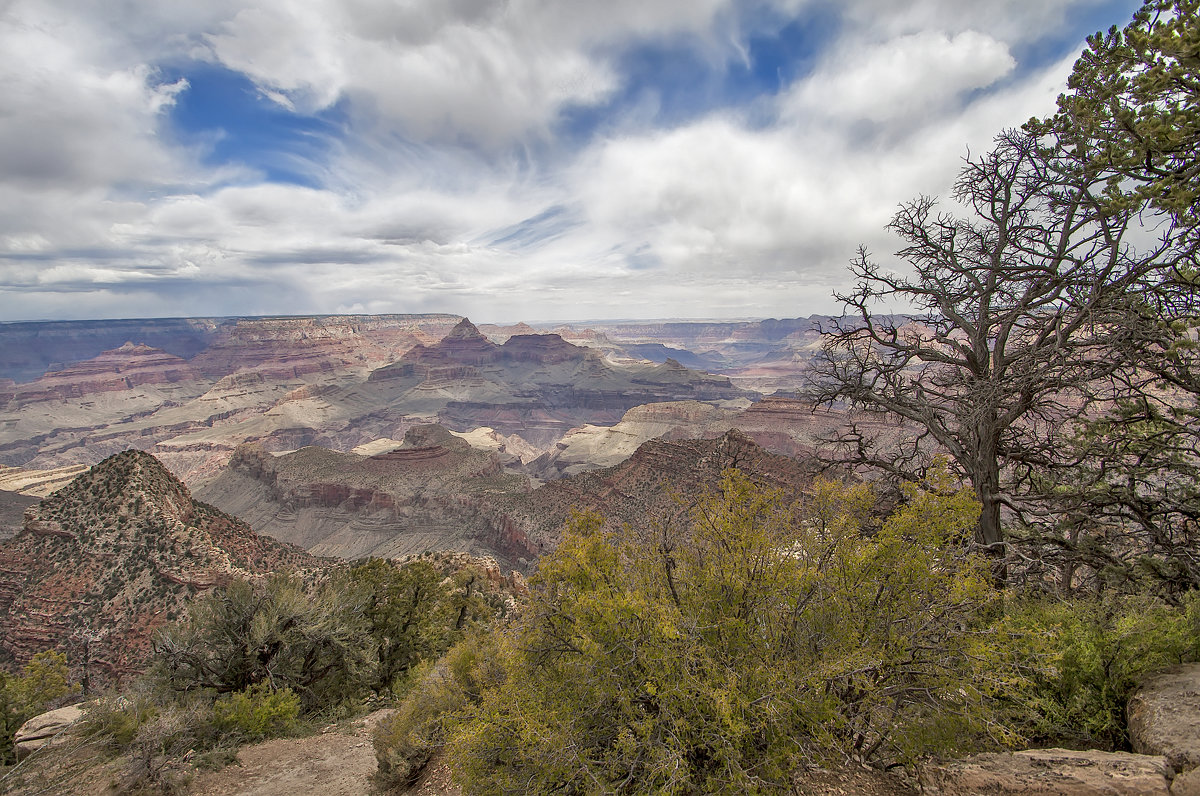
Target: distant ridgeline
x,y
30,348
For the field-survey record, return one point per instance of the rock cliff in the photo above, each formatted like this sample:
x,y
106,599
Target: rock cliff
x,y
535,386
423,496
119,369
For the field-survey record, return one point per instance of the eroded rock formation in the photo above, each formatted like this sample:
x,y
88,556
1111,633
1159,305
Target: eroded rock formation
x,y
659,483
426,495
535,386
113,555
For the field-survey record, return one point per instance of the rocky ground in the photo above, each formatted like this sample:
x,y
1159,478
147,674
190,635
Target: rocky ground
x,y
337,761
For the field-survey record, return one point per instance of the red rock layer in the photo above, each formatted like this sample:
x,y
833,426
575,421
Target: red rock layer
x,y
544,349
120,369
286,348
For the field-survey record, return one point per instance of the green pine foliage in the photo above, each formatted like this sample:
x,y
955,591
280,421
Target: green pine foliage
x,y
1132,107
1084,658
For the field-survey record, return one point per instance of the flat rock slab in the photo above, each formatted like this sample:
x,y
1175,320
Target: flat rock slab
x,y
42,729
1060,772
1164,717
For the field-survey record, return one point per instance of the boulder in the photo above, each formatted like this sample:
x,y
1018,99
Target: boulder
x,y
1060,772
1164,717
1186,784
41,730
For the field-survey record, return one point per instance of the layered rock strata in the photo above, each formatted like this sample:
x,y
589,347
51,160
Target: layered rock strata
x,y
535,386
426,495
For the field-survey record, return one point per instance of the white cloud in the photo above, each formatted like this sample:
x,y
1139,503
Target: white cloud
x,y
787,204
448,188
70,120
483,73
899,81
1008,20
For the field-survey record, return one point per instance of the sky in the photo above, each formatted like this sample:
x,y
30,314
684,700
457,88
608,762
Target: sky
x,y
537,160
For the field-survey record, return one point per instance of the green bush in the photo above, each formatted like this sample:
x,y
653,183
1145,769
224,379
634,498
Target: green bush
x,y
257,712
719,659
1086,658
117,719
406,740
42,682
282,632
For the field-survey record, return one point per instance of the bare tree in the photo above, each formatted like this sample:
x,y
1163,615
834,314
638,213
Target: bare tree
x,y
1014,318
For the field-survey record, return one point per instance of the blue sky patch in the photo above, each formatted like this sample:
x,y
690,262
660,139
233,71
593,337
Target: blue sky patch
x,y
225,112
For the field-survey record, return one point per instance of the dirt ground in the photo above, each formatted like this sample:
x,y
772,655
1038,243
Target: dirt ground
x,y
338,761
851,782
341,761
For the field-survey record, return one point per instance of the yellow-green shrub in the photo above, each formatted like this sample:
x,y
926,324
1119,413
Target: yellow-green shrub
x,y
257,712
1086,657
718,659
42,682
405,741
116,719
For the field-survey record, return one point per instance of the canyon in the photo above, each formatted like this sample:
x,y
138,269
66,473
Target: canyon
x,y
397,435
436,492
192,392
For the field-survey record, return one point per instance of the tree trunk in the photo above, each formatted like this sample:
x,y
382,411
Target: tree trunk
x,y
988,533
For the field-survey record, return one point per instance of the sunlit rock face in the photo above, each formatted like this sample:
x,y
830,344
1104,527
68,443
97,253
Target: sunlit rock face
x,y
537,387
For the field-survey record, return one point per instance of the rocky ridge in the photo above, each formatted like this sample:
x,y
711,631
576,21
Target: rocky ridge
x,y
30,349
113,555
782,425
658,484
119,369
763,355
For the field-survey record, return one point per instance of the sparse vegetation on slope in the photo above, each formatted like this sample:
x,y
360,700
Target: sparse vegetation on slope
x,y
113,555
254,660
